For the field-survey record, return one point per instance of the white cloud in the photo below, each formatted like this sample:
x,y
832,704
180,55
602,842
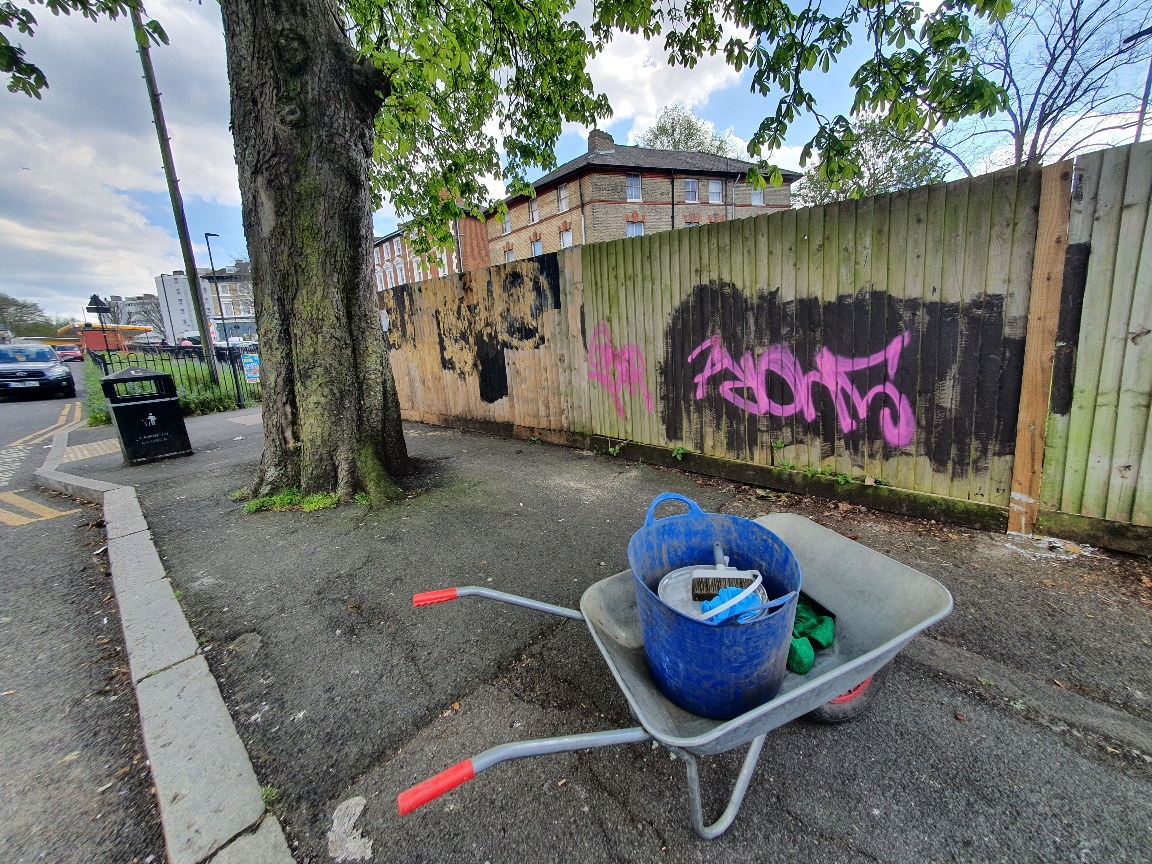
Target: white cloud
x,y
638,82
73,222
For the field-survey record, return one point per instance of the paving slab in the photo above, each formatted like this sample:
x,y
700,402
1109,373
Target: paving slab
x,y
122,513
134,561
265,845
205,785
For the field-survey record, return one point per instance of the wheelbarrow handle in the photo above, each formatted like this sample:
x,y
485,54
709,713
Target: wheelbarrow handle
x,y
462,772
427,598
434,787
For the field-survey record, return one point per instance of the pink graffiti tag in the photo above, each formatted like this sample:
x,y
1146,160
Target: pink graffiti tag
x,y
617,368
748,387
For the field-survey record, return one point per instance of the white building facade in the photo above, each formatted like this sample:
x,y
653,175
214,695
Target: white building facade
x,y
233,310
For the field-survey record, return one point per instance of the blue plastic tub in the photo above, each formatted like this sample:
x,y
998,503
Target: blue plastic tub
x,y
715,670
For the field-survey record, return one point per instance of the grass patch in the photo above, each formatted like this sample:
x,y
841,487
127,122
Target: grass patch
x,y
269,795
285,500
241,495
291,499
362,498
97,408
319,501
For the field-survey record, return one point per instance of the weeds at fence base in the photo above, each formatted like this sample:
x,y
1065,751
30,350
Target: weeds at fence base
x,y
241,495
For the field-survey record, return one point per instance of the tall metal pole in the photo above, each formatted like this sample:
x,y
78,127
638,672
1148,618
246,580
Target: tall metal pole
x,y
223,322
141,36
1132,40
168,305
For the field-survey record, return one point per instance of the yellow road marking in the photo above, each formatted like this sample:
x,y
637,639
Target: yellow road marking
x,y
76,421
44,434
13,519
40,511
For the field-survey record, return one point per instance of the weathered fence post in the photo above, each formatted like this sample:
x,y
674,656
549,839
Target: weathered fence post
x,y
1040,344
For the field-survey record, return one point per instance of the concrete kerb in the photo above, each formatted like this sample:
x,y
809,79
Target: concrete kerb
x,y
210,801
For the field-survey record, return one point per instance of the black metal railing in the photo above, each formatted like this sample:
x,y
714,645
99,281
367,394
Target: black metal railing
x,y
198,393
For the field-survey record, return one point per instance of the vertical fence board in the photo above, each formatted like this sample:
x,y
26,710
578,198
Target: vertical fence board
x,y
1043,315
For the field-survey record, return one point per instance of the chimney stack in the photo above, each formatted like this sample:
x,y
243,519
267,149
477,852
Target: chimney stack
x,y
599,141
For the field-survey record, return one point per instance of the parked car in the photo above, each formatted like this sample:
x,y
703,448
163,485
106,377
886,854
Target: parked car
x,y
69,353
34,369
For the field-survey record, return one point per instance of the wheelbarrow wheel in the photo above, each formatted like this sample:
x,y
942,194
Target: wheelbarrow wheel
x,y
850,705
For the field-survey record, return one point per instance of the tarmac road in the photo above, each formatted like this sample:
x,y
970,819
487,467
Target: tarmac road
x,y
75,784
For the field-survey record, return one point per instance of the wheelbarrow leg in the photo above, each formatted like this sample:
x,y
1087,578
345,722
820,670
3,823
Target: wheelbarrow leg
x,y
709,832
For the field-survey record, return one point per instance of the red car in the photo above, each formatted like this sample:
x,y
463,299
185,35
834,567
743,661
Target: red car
x,y
69,353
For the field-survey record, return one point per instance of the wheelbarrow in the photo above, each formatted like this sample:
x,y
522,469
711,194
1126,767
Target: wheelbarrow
x,y
879,605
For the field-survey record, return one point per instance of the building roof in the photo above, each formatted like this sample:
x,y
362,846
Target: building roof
x,y
603,152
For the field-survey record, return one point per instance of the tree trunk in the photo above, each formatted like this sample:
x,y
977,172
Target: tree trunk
x,y
302,122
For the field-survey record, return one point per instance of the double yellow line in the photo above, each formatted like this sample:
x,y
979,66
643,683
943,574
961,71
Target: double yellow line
x,y
75,409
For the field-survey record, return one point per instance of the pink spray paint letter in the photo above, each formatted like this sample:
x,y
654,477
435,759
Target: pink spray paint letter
x,y
747,386
618,369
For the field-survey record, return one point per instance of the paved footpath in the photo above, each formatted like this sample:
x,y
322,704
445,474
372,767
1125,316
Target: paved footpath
x,y
75,781
1019,729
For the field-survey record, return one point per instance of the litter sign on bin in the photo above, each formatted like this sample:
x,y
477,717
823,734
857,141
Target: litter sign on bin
x,y
251,367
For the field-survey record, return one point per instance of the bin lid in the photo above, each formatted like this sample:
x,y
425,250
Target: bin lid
x,y
136,373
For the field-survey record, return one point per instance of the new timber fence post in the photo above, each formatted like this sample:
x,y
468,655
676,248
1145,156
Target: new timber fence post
x,y
1040,344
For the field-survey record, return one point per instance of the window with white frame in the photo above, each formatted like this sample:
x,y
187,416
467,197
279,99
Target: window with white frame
x,y
633,188
691,191
379,280
388,275
562,198
418,269
398,264
715,192
509,257
398,246
757,197
537,248
635,229
506,225
533,210
566,239
377,251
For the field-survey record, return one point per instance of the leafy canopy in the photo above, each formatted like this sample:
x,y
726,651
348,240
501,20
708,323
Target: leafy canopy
x,y
677,128
918,73
888,163
26,77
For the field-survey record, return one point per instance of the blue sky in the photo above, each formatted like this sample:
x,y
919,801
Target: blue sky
x,y
84,208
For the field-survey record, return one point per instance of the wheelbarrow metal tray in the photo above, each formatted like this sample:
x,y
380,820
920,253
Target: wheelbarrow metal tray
x,y
879,604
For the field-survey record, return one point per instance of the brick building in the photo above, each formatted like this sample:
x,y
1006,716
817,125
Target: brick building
x,y
615,191
395,263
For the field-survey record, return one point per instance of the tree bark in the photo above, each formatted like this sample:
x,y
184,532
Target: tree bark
x,y
303,111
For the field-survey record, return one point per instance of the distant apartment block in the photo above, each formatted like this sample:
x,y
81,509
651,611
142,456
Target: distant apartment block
x,y
616,191
234,310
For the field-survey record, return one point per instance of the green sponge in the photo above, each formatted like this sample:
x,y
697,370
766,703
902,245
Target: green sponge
x,y
811,631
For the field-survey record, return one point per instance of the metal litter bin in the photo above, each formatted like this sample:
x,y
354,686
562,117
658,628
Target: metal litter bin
x,y
146,413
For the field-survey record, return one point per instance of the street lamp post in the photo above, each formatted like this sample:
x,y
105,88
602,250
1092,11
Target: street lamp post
x,y
223,321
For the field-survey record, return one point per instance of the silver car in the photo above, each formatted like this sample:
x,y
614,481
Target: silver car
x,y
34,369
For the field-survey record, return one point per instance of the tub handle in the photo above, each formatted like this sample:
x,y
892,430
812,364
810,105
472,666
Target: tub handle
x,y
693,507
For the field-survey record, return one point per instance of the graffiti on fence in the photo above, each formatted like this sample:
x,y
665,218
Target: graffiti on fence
x,y
747,386
865,371
618,369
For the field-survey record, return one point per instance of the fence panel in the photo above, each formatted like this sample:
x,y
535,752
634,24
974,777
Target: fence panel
x,y
1098,454
827,340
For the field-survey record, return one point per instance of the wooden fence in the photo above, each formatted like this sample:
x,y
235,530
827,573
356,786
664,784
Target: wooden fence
x,y
880,340
1098,454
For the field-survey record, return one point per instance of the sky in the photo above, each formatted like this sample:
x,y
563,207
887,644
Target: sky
x,y
83,204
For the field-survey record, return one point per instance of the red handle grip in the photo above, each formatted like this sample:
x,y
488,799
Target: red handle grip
x,y
434,787
427,598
